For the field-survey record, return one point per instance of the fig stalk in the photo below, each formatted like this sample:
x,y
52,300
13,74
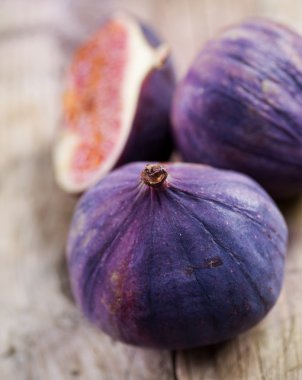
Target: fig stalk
x,y
154,175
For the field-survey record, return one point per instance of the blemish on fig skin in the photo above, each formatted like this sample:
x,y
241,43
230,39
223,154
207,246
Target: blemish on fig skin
x,y
114,277
189,271
247,306
210,263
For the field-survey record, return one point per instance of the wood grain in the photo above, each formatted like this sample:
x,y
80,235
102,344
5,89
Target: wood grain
x,y
42,336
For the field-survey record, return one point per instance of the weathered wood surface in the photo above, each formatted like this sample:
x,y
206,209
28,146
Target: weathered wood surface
x,y
42,336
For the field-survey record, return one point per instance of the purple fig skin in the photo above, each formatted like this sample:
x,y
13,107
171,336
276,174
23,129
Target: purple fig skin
x,y
239,106
192,261
151,132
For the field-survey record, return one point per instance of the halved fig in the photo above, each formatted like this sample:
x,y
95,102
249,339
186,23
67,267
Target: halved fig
x,y
116,104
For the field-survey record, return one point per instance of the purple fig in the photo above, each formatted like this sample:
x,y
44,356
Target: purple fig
x,y
176,256
239,106
116,104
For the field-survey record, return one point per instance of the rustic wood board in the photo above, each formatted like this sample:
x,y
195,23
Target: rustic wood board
x,y
42,336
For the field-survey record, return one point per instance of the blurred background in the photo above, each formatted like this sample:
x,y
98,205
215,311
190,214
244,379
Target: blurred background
x,y
41,334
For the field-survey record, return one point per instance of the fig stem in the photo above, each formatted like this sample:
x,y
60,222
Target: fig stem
x,y
162,54
154,175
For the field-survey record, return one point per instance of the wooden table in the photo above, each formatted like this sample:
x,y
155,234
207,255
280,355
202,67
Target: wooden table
x,y
42,336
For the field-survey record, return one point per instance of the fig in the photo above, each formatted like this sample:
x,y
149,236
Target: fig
x,y
239,105
175,256
116,103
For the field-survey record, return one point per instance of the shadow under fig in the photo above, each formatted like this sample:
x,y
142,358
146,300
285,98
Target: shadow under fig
x,y
291,209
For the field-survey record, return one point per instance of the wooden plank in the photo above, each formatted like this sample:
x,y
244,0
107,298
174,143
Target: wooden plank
x,y
42,335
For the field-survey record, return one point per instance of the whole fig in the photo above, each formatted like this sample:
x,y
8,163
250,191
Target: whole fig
x,y
176,256
117,102
239,106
